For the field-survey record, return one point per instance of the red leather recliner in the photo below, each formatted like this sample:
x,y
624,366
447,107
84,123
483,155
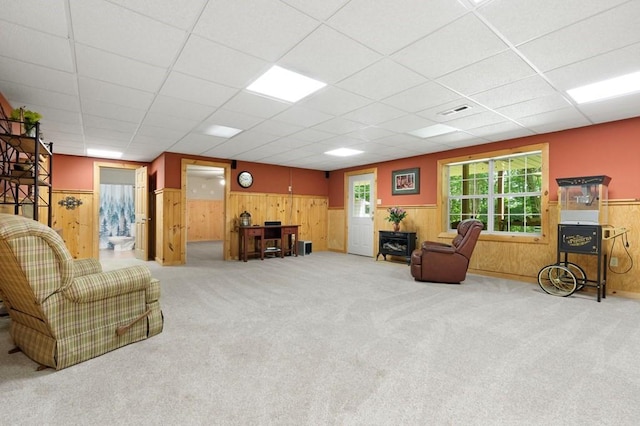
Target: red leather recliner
x,y
446,263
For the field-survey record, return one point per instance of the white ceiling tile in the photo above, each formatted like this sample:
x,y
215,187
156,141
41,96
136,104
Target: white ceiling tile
x,y
118,30
534,106
302,116
170,121
523,20
37,76
112,93
108,110
277,128
421,97
612,109
395,24
255,105
374,113
196,90
501,131
22,96
180,108
406,123
49,16
607,31
381,80
333,100
482,75
370,133
320,10
96,122
35,47
567,118
214,62
105,66
467,40
626,60
181,14
160,133
117,73
476,120
196,144
522,90
268,28
339,126
238,120
328,56
312,135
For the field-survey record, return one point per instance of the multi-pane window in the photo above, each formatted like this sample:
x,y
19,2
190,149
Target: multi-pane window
x,y
504,193
361,199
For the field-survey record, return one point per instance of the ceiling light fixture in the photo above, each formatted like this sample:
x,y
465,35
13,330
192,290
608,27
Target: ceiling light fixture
x,y
344,152
101,153
606,89
435,130
222,131
284,84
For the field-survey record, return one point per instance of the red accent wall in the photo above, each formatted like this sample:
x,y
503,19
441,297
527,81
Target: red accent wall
x,y
611,149
71,172
277,179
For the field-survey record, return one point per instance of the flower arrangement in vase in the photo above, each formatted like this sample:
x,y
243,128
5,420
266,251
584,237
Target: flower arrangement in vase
x,y
396,215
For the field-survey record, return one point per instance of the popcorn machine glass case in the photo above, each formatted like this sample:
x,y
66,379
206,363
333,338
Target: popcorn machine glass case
x,y
584,200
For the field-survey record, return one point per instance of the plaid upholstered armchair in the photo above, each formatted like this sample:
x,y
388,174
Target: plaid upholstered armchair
x,y
65,311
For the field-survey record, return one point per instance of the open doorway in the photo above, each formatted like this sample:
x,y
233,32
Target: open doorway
x,y
115,206
205,191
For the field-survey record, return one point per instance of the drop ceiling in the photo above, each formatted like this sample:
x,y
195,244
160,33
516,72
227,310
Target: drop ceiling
x,y
150,77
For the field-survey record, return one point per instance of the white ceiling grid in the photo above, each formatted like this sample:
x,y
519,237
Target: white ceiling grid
x,y
152,76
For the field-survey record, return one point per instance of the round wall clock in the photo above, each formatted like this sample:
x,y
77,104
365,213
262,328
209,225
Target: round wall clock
x,y
245,179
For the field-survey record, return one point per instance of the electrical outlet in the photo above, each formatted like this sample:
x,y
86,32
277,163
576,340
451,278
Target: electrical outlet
x,y
614,261
289,188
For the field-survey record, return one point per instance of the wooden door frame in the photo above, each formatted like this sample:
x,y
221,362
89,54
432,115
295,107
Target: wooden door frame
x,y
226,242
374,208
97,165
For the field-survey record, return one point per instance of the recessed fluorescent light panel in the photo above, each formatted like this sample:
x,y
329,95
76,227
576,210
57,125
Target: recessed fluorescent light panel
x,y
103,153
284,84
431,131
222,131
344,152
611,88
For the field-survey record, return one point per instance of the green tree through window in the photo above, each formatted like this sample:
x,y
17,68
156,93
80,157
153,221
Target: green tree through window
x,y
503,192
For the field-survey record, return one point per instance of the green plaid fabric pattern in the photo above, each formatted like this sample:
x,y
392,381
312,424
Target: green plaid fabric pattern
x,y
65,311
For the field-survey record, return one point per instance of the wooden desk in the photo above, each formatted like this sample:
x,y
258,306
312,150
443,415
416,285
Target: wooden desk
x,y
279,234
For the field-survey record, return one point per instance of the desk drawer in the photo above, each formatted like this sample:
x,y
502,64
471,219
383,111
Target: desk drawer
x,y
288,230
253,232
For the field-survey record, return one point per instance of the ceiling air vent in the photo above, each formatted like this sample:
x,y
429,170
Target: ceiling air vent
x,y
455,110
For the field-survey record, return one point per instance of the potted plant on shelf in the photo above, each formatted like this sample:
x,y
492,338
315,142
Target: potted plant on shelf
x,y
27,118
396,215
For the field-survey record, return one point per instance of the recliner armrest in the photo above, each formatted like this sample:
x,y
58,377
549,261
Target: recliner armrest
x,y
103,285
426,244
444,248
86,266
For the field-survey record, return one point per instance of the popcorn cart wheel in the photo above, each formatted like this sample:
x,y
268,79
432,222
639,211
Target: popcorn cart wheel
x,y
561,279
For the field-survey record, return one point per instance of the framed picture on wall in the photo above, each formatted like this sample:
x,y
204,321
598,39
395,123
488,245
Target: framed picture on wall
x,y
405,181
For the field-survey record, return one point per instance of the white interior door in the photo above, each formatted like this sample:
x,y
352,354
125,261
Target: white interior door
x,y
142,214
360,214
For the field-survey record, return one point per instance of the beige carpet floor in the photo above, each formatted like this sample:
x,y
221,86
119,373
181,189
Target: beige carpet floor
x,y
334,339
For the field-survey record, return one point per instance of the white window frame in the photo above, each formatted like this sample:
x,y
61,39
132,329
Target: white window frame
x,y
490,233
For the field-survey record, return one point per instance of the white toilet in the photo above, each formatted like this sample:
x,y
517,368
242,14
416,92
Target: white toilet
x,y
122,243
